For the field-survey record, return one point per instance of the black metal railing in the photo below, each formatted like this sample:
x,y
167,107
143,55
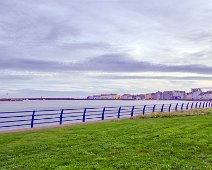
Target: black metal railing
x,y
37,118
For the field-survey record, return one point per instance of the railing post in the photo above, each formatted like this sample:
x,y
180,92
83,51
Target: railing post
x,y
103,113
33,118
83,116
187,106
170,107
144,108
192,105
203,106
132,111
182,106
206,105
162,108
153,109
61,117
176,107
196,104
119,112
200,104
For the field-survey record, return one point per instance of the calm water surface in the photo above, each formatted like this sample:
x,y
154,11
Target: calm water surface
x,y
20,120
63,104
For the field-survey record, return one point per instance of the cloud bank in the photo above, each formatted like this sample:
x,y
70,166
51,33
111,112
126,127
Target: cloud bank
x,y
105,63
75,40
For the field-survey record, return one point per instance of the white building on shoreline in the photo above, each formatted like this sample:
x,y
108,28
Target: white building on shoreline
x,y
195,94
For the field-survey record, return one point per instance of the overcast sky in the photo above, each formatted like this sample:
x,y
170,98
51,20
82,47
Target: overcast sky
x,y
74,48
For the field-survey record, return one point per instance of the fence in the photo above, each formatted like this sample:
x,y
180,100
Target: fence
x,y
38,118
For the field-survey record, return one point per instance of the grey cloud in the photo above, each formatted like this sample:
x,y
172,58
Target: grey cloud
x,y
29,64
30,22
15,77
203,54
87,46
198,36
120,63
47,36
156,77
104,63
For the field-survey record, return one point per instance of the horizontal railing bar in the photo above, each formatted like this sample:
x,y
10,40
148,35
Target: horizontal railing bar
x,y
72,112
126,109
86,108
92,108
93,115
88,111
38,123
150,107
14,125
111,116
110,113
69,113
48,110
47,118
106,110
11,121
90,118
38,111
115,111
125,115
16,112
71,120
50,114
129,111
15,116
72,116
72,109
111,107
138,109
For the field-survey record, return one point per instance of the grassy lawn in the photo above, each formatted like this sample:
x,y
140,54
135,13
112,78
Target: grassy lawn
x,y
182,142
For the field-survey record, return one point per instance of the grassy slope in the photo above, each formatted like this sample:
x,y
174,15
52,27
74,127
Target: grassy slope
x,y
152,143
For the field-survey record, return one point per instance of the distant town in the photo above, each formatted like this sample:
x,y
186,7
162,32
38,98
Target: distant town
x,y
195,94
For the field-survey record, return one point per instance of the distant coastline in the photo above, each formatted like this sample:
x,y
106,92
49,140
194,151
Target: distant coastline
x,y
30,99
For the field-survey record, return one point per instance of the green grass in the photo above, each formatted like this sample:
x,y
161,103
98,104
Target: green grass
x,y
182,142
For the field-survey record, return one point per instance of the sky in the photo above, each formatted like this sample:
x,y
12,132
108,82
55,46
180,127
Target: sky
x,y
76,48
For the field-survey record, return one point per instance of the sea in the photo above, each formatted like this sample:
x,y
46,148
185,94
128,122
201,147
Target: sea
x,y
68,104
16,115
